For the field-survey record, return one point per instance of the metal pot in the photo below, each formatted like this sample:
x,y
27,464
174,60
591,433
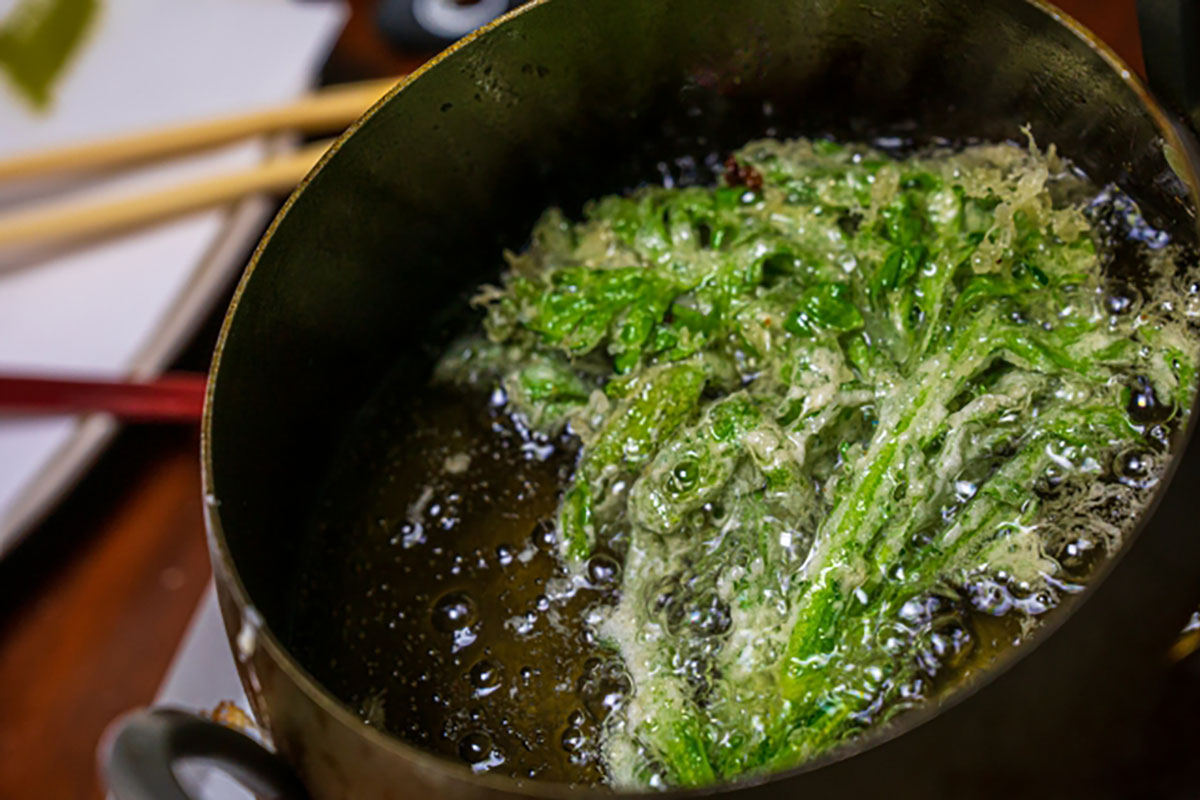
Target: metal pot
x,y
565,100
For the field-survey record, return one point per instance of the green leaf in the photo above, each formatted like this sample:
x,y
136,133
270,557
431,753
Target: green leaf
x,y
825,307
652,406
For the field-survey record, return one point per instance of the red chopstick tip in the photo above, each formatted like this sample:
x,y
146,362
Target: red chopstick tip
x,y
174,397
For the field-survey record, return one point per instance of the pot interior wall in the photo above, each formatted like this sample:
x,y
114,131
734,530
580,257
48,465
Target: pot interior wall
x,y
575,99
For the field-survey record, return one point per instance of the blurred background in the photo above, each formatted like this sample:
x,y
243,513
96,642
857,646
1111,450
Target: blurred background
x,y
102,551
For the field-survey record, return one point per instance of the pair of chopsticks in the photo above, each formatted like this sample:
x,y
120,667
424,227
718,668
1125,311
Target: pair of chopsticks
x,y
330,109
174,397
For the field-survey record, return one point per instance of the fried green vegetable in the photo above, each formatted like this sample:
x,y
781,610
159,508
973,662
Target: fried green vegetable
x,y
826,420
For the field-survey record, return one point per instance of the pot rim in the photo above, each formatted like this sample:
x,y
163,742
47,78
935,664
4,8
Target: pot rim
x,y
317,693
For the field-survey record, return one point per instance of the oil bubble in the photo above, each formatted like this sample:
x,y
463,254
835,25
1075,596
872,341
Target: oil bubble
x,y
573,740
1160,434
603,570
1135,468
544,536
1144,406
453,611
951,642
604,688
710,619
1121,299
1050,482
475,747
685,475
484,677
1076,555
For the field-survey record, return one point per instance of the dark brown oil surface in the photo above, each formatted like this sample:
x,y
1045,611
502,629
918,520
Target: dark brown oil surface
x,y
433,602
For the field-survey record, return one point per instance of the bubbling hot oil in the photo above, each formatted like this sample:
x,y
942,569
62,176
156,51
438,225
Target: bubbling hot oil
x,y
434,603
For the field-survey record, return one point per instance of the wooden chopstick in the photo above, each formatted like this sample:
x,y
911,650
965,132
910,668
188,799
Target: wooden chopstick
x,y
73,221
177,397
326,110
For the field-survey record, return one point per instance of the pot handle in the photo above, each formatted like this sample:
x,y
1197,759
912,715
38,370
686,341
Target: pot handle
x,y
146,745
1170,31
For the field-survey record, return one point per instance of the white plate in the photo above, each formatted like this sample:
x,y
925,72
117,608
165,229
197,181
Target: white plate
x,y
124,306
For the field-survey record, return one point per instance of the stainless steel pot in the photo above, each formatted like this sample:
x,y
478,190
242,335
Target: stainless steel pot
x,y
564,100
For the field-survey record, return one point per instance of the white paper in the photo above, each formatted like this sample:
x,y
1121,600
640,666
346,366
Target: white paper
x,y
146,63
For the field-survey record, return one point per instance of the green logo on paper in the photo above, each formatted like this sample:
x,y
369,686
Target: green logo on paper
x,y
38,39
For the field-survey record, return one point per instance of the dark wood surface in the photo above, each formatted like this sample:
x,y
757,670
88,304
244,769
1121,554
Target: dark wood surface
x,y
94,602
93,606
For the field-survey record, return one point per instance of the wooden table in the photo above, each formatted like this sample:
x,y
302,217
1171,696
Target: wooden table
x,y
93,604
